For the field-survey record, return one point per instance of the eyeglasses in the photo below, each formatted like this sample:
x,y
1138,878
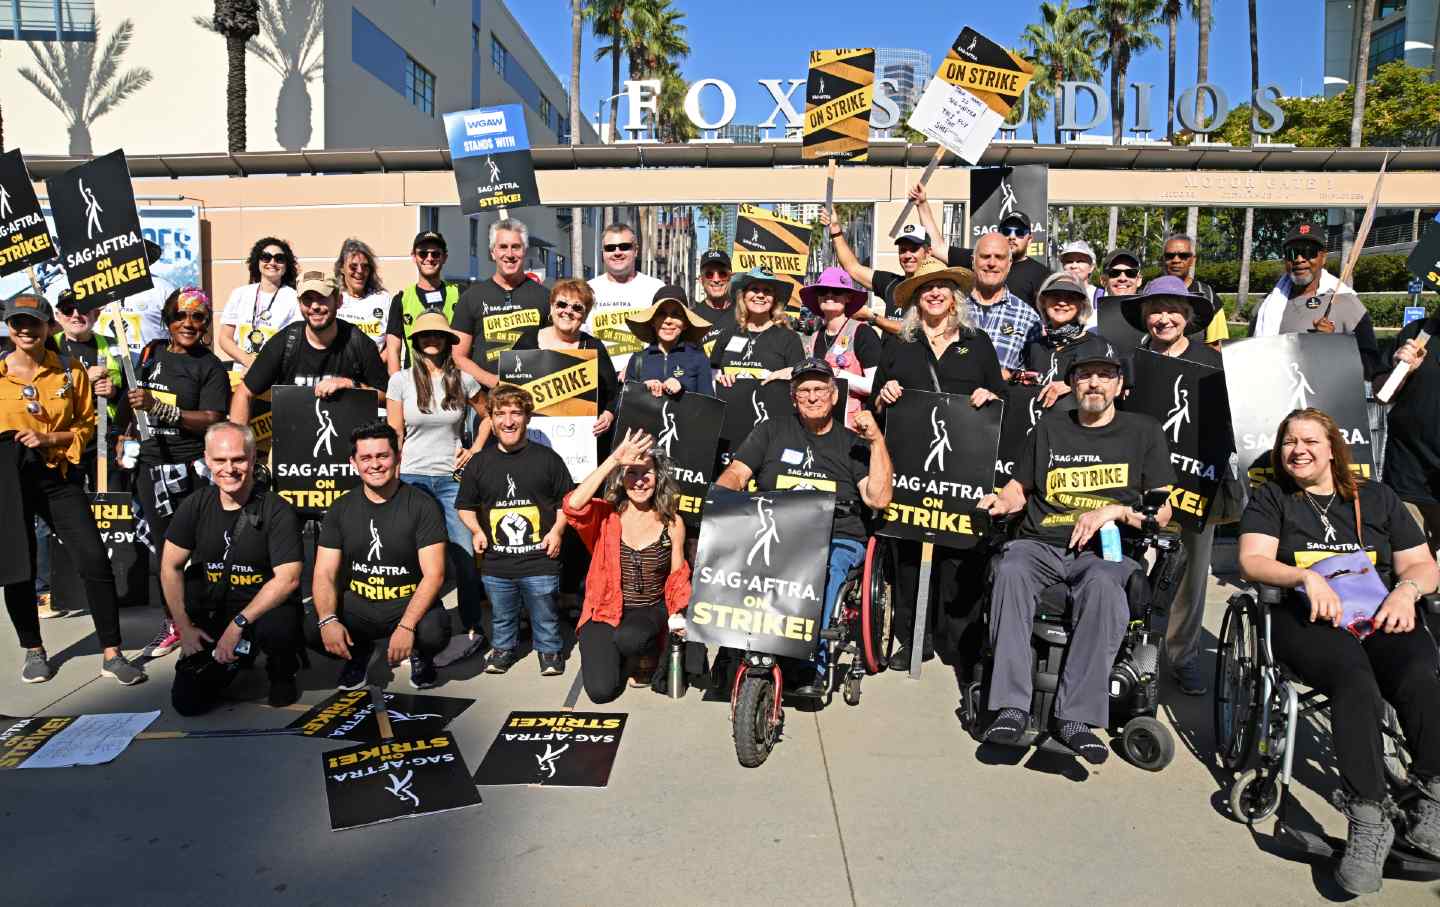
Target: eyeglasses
x,y
619,246
813,393
1179,256
200,318
716,274
279,258
358,266
314,299
565,305
1302,252
31,394
1015,231
429,254
1122,272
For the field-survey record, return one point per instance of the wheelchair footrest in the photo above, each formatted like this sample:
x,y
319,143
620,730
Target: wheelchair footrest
x,y
1401,858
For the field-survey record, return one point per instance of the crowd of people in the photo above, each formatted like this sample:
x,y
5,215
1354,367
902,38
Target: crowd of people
x,y
452,488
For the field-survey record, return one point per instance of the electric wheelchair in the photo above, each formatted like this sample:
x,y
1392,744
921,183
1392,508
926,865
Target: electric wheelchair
x,y
1258,706
1135,676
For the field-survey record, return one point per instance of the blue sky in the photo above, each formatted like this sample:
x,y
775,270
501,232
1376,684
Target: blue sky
x,y
744,40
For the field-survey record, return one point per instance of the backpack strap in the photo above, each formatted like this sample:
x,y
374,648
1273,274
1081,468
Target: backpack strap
x,y
1359,533
292,343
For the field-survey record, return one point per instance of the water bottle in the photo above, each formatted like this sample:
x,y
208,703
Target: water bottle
x,y
1110,542
676,667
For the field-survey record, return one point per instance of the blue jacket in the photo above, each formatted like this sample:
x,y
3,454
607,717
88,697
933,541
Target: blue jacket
x,y
687,363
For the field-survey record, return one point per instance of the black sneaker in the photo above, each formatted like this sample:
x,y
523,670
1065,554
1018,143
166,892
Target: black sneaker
x,y
423,675
500,661
283,692
552,664
353,675
900,661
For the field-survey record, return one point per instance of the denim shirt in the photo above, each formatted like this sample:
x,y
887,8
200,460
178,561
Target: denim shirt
x,y
687,363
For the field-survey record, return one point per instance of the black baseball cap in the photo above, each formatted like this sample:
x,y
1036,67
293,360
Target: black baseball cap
x,y
429,238
1019,218
670,293
1312,231
1119,254
715,257
1108,357
811,366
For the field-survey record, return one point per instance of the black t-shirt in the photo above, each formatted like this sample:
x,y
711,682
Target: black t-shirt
x,y
968,363
783,456
1067,470
1026,275
209,532
1197,352
380,544
885,284
743,354
495,316
609,393
309,366
515,496
866,347
196,380
1412,453
1294,521
719,319
1049,359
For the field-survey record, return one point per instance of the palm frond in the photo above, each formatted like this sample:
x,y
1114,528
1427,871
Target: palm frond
x,y
132,81
106,64
47,92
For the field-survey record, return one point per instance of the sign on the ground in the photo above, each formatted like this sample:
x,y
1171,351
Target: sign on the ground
x,y
973,91
759,579
764,239
62,741
350,715
943,451
686,429
370,783
839,91
99,231
490,152
312,443
24,235
554,749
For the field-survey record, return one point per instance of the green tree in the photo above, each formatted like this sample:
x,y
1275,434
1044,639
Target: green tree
x,y
1174,9
608,17
82,84
1063,45
651,34
1128,27
1404,109
238,21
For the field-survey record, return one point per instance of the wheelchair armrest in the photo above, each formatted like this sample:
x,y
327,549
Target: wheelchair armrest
x,y
1269,595
1431,603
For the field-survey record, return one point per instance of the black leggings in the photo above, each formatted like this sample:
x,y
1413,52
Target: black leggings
x,y
603,649
371,622
1359,678
276,633
956,585
63,504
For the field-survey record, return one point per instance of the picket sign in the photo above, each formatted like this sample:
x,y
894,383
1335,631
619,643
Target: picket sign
x,y
924,178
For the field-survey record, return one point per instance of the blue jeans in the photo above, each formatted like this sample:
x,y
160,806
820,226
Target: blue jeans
x,y
460,552
844,554
537,595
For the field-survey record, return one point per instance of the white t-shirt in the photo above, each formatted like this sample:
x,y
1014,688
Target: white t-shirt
x,y
251,309
613,303
431,439
367,314
141,312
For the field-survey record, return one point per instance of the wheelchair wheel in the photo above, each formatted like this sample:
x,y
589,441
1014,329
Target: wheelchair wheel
x,y
754,734
876,605
1253,797
1397,757
1236,665
1148,744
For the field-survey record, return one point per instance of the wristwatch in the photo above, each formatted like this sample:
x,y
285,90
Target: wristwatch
x,y
241,620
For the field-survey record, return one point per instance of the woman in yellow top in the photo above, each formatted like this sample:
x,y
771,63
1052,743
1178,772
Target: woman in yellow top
x,y
47,418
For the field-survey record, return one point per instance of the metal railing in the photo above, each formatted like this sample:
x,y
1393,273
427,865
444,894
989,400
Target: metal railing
x,y
47,20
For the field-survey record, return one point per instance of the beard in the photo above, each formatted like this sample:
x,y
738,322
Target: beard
x,y
1093,404
1302,282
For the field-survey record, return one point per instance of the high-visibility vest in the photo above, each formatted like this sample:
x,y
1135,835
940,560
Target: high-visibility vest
x,y
105,349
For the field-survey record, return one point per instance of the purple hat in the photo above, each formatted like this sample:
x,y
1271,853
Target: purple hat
x,y
1168,288
834,278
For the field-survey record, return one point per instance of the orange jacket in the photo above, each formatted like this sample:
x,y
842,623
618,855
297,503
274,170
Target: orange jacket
x,y
599,528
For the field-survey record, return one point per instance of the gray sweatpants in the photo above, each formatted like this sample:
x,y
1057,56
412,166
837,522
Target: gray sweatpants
x,y
1187,612
1101,613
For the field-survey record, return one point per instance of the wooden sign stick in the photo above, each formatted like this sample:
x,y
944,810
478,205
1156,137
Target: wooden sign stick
x,y
382,714
102,445
1363,233
127,365
830,185
922,609
924,178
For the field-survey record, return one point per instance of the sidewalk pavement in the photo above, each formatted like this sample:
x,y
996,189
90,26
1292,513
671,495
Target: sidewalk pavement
x,y
885,803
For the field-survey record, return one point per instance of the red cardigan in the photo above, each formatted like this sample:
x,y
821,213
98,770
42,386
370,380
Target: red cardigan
x,y
599,528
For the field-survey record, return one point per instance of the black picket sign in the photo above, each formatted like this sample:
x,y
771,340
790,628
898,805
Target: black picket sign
x,y
24,235
371,783
1022,413
686,428
1268,377
350,715
115,518
998,191
554,749
759,579
943,450
1190,402
748,402
311,450
99,231
1424,261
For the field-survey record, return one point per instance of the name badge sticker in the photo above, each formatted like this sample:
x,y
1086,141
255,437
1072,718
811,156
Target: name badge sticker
x,y
736,344
791,457
434,297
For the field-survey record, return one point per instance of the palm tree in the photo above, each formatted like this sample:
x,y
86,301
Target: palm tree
x,y
1242,297
291,33
1357,116
1064,45
609,18
578,11
1174,9
1128,29
84,85
652,37
672,125
238,21
1203,22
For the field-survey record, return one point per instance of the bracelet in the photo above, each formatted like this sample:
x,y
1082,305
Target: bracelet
x,y
326,620
399,626
1413,585
165,413
837,235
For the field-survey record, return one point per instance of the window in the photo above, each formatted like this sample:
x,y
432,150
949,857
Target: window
x,y
419,86
1387,44
475,38
498,55
1385,8
545,110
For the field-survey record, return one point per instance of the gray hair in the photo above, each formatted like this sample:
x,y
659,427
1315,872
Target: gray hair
x,y
959,319
510,223
247,436
1162,303
353,246
1189,240
618,227
1082,308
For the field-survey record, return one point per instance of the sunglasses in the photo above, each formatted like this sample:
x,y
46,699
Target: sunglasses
x,y
564,305
619,246
33,397
1302,253
429,254
1122,272
192,317
65,308
279,258
1179,256
716,274
1015,231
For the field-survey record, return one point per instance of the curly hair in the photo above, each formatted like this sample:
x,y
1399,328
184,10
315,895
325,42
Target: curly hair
x,y
667,491
958,320
1347,484
252,263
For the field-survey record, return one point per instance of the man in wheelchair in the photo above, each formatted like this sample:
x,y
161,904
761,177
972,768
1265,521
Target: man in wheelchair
x,y
809,449
1081,471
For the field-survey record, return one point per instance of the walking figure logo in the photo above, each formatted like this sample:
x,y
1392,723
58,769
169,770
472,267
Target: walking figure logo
x,y
939,441
767,534
808,462
226,555
374,553
92,210
547,760
1300,388
820,90
1008,200
396,715
325,433
510,492
669,434
1179,413
1036,411
754,235
974,39
494,169
4,202
400,787
761,414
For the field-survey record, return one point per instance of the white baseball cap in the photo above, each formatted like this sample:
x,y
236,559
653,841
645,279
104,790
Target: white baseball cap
x,y
913,233
1078,247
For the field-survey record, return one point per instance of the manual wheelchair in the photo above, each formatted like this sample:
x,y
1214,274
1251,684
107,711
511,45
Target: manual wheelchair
x,y
1135,676
859,630
1258,707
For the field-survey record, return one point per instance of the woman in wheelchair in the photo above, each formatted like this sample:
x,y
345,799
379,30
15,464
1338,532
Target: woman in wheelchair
x,y
1314,509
